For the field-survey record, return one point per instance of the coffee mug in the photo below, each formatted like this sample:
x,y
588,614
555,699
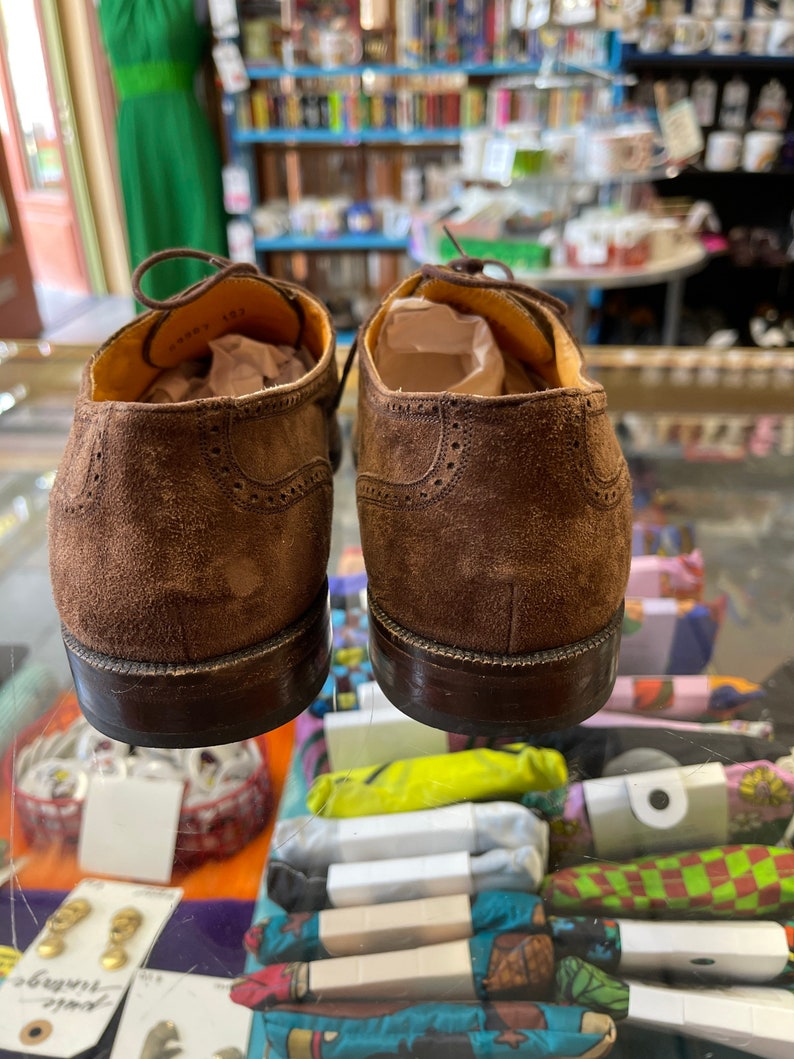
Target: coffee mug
x,y
723,151
756,36
690,35
666,237
610,153
331,47
760,150
472,151
728,36
632,240
588,242
670,9
650,150
781,37
654,35
704,9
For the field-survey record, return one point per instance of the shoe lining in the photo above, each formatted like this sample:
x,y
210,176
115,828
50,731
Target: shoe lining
x,y
236,366
130,362
537,352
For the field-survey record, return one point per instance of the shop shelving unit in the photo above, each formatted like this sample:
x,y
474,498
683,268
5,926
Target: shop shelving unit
x,y
740,198
244,142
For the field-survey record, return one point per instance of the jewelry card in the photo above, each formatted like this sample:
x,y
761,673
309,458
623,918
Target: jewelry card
x,y
60,997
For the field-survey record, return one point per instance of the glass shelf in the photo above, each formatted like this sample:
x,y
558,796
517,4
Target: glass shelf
x,y
645,176
691,422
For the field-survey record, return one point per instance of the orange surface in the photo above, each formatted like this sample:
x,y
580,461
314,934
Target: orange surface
x,y
54,867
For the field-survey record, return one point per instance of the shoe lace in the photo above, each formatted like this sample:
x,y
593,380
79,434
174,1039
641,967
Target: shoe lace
x,y
473,266
224,266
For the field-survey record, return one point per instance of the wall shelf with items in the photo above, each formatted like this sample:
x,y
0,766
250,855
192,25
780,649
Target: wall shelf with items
x,y
284,244
351,137
343,128
739,81
262,73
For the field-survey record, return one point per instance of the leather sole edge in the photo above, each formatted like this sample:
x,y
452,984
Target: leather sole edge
x,y
471,693
221,700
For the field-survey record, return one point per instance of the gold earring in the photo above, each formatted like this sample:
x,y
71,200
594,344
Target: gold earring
x,y
61,920
122,926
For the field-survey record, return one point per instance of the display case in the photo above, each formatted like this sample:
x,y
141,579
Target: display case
x,y
644,916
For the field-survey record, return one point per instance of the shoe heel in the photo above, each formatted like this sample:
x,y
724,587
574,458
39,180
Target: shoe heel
x,y
494,695
221,700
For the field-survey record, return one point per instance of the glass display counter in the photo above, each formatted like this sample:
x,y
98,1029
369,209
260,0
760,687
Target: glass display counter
x,y
642,916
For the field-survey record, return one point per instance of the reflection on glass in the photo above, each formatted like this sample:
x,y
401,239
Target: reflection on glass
x,y
5,224
22,42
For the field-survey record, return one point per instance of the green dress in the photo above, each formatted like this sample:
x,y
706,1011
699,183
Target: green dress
x,y
169,160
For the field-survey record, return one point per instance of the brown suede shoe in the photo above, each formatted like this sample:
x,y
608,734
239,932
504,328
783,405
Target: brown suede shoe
x,y
496,530
189,539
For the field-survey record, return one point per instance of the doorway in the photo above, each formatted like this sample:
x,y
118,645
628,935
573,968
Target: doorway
x,y
36,126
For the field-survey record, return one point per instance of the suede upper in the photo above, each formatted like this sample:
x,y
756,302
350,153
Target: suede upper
x,y
499,525
185,531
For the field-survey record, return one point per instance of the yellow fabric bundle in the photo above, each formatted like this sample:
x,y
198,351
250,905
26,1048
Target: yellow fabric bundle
x,y
427,782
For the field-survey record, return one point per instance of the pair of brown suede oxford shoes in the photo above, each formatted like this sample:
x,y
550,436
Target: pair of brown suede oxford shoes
x,y
189,538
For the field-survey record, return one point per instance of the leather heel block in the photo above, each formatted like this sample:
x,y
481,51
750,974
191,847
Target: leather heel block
x,y
478,694
221,700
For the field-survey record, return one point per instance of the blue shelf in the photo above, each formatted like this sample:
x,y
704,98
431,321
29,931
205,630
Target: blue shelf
x,y
329,136
262,73
349,241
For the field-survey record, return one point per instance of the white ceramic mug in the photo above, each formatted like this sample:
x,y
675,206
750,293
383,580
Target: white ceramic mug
x,y
632,240
690,35
332,47
723,151
756,36
612,152
589,240
472,151
649,148
706,9
728,37
671,9
666,237
654,35
781,37
760,150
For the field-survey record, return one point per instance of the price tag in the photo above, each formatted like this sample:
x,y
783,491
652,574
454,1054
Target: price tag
x,y
112,841
236,189
183,1014
61,1007
240,236
498,157
231,68
223,17
681,131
